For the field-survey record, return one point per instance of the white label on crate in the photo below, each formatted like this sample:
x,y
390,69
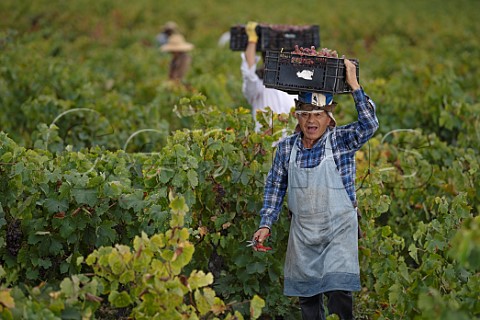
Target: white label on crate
x,y
305,74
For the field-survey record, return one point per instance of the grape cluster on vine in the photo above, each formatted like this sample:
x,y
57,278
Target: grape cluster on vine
x,y
219,192
14,237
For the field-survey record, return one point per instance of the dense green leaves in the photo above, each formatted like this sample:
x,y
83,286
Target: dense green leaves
x,y
85,203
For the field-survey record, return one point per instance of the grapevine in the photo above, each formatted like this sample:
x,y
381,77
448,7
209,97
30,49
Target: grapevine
x,y
59,200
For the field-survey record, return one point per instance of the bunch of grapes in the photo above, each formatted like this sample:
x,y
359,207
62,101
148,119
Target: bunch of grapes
x,y
219,192
287,28
14,237
325,52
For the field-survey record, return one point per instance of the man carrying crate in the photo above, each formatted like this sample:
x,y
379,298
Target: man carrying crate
x,y
316,167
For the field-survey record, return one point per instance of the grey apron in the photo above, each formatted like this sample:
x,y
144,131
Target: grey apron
x,y
322,252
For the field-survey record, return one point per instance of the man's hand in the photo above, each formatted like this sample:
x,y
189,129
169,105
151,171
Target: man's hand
x,y
351,74
260,237
251,32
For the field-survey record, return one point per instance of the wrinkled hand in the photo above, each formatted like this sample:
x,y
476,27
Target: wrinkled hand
x,y
251,32
260,236
351,74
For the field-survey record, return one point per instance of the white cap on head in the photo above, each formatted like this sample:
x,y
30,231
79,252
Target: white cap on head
x,y
319,100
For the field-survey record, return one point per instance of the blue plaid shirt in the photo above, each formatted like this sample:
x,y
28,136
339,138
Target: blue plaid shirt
x,y
346,140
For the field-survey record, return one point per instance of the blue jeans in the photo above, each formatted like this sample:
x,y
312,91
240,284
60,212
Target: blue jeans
x,y
339,302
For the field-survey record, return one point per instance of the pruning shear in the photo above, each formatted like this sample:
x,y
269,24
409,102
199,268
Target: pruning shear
x,y
258,245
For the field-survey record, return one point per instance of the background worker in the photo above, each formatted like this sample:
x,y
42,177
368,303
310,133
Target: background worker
x,y
181,58
169,28
257,95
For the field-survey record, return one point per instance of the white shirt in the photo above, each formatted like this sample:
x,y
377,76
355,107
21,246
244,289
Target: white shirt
x,y
260,97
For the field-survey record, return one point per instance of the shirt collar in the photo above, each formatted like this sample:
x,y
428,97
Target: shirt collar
x,y
320,141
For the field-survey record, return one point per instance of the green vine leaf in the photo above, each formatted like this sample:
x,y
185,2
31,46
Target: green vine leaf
x,y
192,178
55,205
178,205
256,306
119,299
199,279
85,196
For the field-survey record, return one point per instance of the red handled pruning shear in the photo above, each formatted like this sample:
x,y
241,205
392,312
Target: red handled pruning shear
x,y
258,245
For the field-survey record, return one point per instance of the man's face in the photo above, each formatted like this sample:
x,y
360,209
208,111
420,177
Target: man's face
x,y
313,123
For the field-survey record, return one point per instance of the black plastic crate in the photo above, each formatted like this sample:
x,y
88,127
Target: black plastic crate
x,y
276,37
294,73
